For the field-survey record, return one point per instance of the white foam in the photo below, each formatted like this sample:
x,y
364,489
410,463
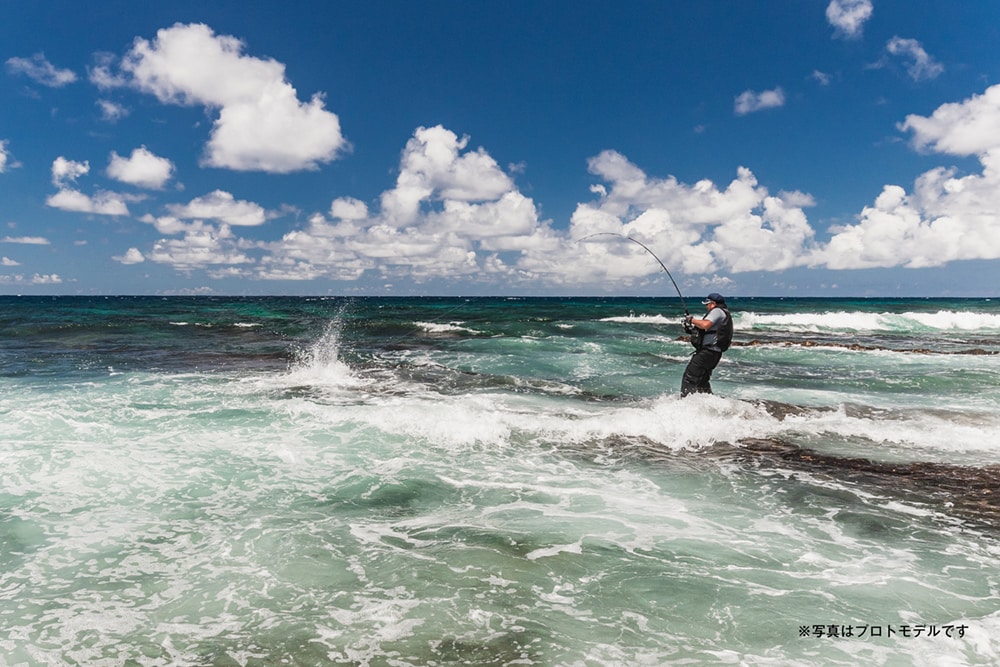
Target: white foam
x,y
642,319
440,327
931,432
574,548
495,419
172,480
695,421
852,321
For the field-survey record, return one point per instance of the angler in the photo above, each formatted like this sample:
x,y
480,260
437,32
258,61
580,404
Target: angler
x,y
710,336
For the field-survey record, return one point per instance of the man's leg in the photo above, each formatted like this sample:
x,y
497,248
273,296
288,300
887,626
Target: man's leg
x,y
699,372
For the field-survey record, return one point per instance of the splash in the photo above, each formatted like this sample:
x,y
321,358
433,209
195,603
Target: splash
x,y
320,363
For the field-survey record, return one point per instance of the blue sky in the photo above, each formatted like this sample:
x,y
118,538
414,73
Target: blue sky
x,y
447,147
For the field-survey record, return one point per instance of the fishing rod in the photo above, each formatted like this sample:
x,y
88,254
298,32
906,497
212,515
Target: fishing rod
x,y
643,246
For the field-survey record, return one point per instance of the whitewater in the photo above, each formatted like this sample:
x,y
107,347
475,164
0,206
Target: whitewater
x,y
495,481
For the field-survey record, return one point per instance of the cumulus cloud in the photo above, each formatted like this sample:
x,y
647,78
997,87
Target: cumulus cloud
x,y
201,246
4,155
971,127
141,168
131,256
111,112
701,228
39,69
37,279
944,219
25,240
848,17
223,207
103,73
65,171
451,212
261,126
919,64
348,208
433,166
750,101
204,226
64,175
947,217
102,203
454,213
7,261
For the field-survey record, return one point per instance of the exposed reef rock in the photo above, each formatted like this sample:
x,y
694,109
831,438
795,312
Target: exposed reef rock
x,y
966,491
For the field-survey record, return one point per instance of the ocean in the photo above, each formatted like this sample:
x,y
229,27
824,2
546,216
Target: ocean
x,y
496,481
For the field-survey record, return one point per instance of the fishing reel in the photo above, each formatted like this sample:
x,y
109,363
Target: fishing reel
x,y
689,327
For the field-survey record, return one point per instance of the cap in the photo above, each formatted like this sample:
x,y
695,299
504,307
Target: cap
x,y
716,297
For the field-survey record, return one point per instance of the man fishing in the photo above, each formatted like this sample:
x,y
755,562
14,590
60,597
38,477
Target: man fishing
x,y
711,336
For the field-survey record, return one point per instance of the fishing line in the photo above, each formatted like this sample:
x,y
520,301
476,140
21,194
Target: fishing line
x,y
643,246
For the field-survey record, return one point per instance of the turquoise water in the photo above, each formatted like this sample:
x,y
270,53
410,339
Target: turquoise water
x,y
293,481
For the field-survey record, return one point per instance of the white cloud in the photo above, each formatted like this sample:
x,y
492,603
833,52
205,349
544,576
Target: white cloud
x,y
750,101
920,65
7,261
111,112
223,207
131,256
25,240
262,125
4,155
317,251
167,224
971,127
39,69
206,225
64,171
348,208
848,17
199,248
947,217
451,211
102,203
102,74
699,228
822,78
37,279
142,168
432,167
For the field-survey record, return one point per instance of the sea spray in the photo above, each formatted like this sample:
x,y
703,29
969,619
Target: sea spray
x,y
319,362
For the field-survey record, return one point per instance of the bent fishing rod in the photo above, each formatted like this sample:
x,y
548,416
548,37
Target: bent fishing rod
x,y
643,246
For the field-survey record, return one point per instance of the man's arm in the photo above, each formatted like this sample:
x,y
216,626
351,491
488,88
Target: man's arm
x,y
705,324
